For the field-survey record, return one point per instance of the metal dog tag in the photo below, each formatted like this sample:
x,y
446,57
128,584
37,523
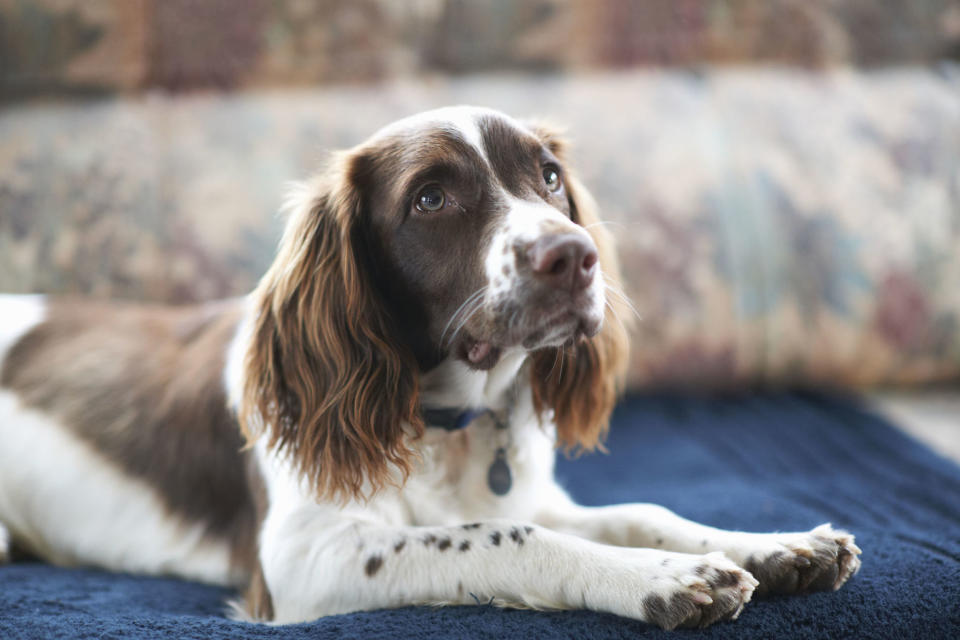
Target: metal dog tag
x,y
498,476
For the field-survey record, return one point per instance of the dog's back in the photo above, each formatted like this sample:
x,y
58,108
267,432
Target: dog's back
x,y
84,390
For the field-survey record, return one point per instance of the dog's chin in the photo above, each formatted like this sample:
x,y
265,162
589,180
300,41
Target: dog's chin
x,y
565,329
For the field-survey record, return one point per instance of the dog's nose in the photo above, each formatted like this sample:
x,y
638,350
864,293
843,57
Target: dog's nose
x,y
564,260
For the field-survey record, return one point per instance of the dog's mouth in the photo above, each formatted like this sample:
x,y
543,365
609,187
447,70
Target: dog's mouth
x,y
564,327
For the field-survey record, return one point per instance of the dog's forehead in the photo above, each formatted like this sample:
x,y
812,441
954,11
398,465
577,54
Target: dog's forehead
x,y
467,122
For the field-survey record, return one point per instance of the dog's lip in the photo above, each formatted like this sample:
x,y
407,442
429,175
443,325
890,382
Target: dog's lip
x,y
563,326
479,354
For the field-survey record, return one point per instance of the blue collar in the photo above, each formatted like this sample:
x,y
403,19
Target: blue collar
x,y
451,419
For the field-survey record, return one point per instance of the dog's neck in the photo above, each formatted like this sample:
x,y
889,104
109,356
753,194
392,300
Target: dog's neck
x,y
452,384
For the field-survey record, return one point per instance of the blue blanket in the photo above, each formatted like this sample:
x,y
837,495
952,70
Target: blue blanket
x,y
755,463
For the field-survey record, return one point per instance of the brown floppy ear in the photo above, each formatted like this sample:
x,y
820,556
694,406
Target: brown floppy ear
x,y
325,379
581,383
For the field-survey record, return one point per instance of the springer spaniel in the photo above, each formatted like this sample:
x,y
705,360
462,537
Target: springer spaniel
x,y
374,426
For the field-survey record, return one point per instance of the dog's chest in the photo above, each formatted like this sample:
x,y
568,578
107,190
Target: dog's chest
x,y
461,476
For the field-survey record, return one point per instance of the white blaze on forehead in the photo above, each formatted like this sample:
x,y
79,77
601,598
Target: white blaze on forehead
x,y
465,120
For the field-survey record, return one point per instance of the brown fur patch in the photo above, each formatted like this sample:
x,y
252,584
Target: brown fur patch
x,y
259,603
373,565
143,385
326,372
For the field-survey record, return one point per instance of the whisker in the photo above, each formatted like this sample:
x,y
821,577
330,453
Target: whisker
x,y
555,358
605,222
616,316
622,297
478,304
619,293
471,298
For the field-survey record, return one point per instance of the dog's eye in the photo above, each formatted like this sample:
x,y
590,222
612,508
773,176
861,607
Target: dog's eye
x,y
551,178
431,199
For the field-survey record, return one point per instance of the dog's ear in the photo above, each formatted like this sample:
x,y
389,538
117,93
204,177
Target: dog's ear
x,y
326,380
581,383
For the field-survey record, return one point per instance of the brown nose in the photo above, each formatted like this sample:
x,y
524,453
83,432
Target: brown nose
x,y
564,260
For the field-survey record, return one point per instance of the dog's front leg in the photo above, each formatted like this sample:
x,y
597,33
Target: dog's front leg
x,y
821,559
353,566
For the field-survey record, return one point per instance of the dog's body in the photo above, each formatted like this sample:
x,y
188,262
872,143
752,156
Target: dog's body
x,y
449,263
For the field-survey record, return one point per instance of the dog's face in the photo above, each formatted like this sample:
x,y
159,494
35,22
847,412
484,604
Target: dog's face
x,y
475,236
455,232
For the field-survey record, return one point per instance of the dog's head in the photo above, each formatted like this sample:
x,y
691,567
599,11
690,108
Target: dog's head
x,y
457,233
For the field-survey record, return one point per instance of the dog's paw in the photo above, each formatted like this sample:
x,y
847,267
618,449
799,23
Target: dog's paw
x,y
820,560
702,590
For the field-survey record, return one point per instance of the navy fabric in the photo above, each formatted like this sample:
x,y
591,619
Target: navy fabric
x,y
753,463
452,419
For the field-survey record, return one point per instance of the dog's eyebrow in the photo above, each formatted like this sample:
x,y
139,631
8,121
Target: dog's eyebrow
x,y
439,171
466,169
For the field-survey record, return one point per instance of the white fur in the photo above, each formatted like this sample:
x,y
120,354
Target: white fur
x,y
4,543
18,314
236,352
69,504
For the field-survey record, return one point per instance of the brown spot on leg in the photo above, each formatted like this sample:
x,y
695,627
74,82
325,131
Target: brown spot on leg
x,y
397,548
373,565
515,536
472,525
464,546
495,538
444,544
429,540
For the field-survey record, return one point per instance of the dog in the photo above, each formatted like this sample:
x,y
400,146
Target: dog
x,y
374,425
